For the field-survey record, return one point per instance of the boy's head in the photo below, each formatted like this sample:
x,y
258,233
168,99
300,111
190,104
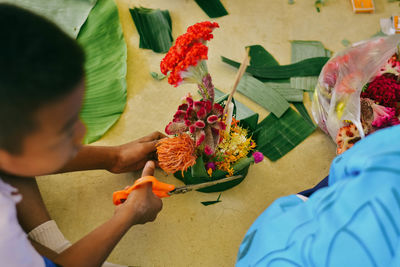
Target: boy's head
x,y
41,92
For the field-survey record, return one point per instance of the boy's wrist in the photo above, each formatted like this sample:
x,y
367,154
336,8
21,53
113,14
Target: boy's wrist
x,y
125,217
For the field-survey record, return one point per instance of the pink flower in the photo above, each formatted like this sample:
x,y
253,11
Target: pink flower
x,y
211,165
258,157
200,124
382,115
208,151
175,128
211,119
200,136
201,114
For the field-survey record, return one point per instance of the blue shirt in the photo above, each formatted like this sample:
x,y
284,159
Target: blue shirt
x,y
355,221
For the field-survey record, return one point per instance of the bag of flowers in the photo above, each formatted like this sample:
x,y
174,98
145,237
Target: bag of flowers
x,y
358,91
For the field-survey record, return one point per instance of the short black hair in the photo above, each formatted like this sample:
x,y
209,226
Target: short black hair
x,y
39,63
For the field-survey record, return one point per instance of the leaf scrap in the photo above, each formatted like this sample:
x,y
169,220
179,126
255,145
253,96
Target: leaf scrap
x,y
157,76
208,203
213,8
263,95
154,27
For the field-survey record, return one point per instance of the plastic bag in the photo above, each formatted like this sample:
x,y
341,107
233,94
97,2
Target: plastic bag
x,y
336,100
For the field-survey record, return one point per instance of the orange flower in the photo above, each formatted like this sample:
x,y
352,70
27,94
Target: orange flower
x,y
176,154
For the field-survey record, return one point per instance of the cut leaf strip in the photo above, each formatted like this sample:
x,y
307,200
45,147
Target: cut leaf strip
x,y
154,27
213,8
263,95
303,112
307,67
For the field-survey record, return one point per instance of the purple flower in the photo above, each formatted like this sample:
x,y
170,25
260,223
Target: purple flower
x,y
211,165
258,157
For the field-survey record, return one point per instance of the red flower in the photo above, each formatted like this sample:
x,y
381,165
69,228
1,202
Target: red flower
x,y
384,89
189,50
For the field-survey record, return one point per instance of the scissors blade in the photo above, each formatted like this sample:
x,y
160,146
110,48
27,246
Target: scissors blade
x,y
188,188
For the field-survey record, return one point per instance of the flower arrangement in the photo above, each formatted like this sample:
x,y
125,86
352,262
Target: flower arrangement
x,y
207,141
359,91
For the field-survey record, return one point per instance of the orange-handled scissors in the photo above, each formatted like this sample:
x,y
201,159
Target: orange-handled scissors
x,y
161,189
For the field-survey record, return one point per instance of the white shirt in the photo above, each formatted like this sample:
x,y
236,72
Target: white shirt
x,y
15,248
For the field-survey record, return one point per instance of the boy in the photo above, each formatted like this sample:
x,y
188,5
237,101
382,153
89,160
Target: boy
x,y
41,92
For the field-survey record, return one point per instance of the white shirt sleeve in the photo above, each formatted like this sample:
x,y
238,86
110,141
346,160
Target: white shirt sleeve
x,y
15,248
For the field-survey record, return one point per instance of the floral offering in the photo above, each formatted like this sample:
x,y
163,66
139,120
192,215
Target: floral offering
x,y
207,143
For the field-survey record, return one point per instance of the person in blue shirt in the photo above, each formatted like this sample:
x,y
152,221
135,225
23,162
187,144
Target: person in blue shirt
x,y
353,221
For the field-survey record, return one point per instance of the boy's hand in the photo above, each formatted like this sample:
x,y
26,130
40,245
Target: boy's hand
x,y
142,205
134,155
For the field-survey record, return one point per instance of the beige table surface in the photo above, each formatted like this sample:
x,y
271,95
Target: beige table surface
x,y
186,233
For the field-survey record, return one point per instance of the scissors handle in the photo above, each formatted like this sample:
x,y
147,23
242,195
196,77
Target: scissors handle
x,y
159,189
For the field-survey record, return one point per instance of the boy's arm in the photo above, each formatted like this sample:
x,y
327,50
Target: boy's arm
x,y
141,206
117,159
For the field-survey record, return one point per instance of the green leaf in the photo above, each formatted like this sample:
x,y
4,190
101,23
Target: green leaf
x,y
157,76
207,203
213,8
308,49
284,89
105,97
307,67
198,169
302,50
259,57
277,136
263,95
154,27
345,42
69,15
303,112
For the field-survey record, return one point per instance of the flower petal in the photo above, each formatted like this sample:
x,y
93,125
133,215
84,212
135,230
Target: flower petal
x,y
184,107
179,115
201,114
200,124
175,128
200,135
197,105
208,106
192,129
212,119
218,109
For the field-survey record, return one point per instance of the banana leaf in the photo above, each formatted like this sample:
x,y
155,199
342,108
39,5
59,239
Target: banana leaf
x,y
307,67
154,27
102,39
303,112
195,175
213,8
69,15
259,57
275,137
302,50
263,95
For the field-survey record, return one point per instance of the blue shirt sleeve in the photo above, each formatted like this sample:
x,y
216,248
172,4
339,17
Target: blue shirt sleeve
x,y
353,222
